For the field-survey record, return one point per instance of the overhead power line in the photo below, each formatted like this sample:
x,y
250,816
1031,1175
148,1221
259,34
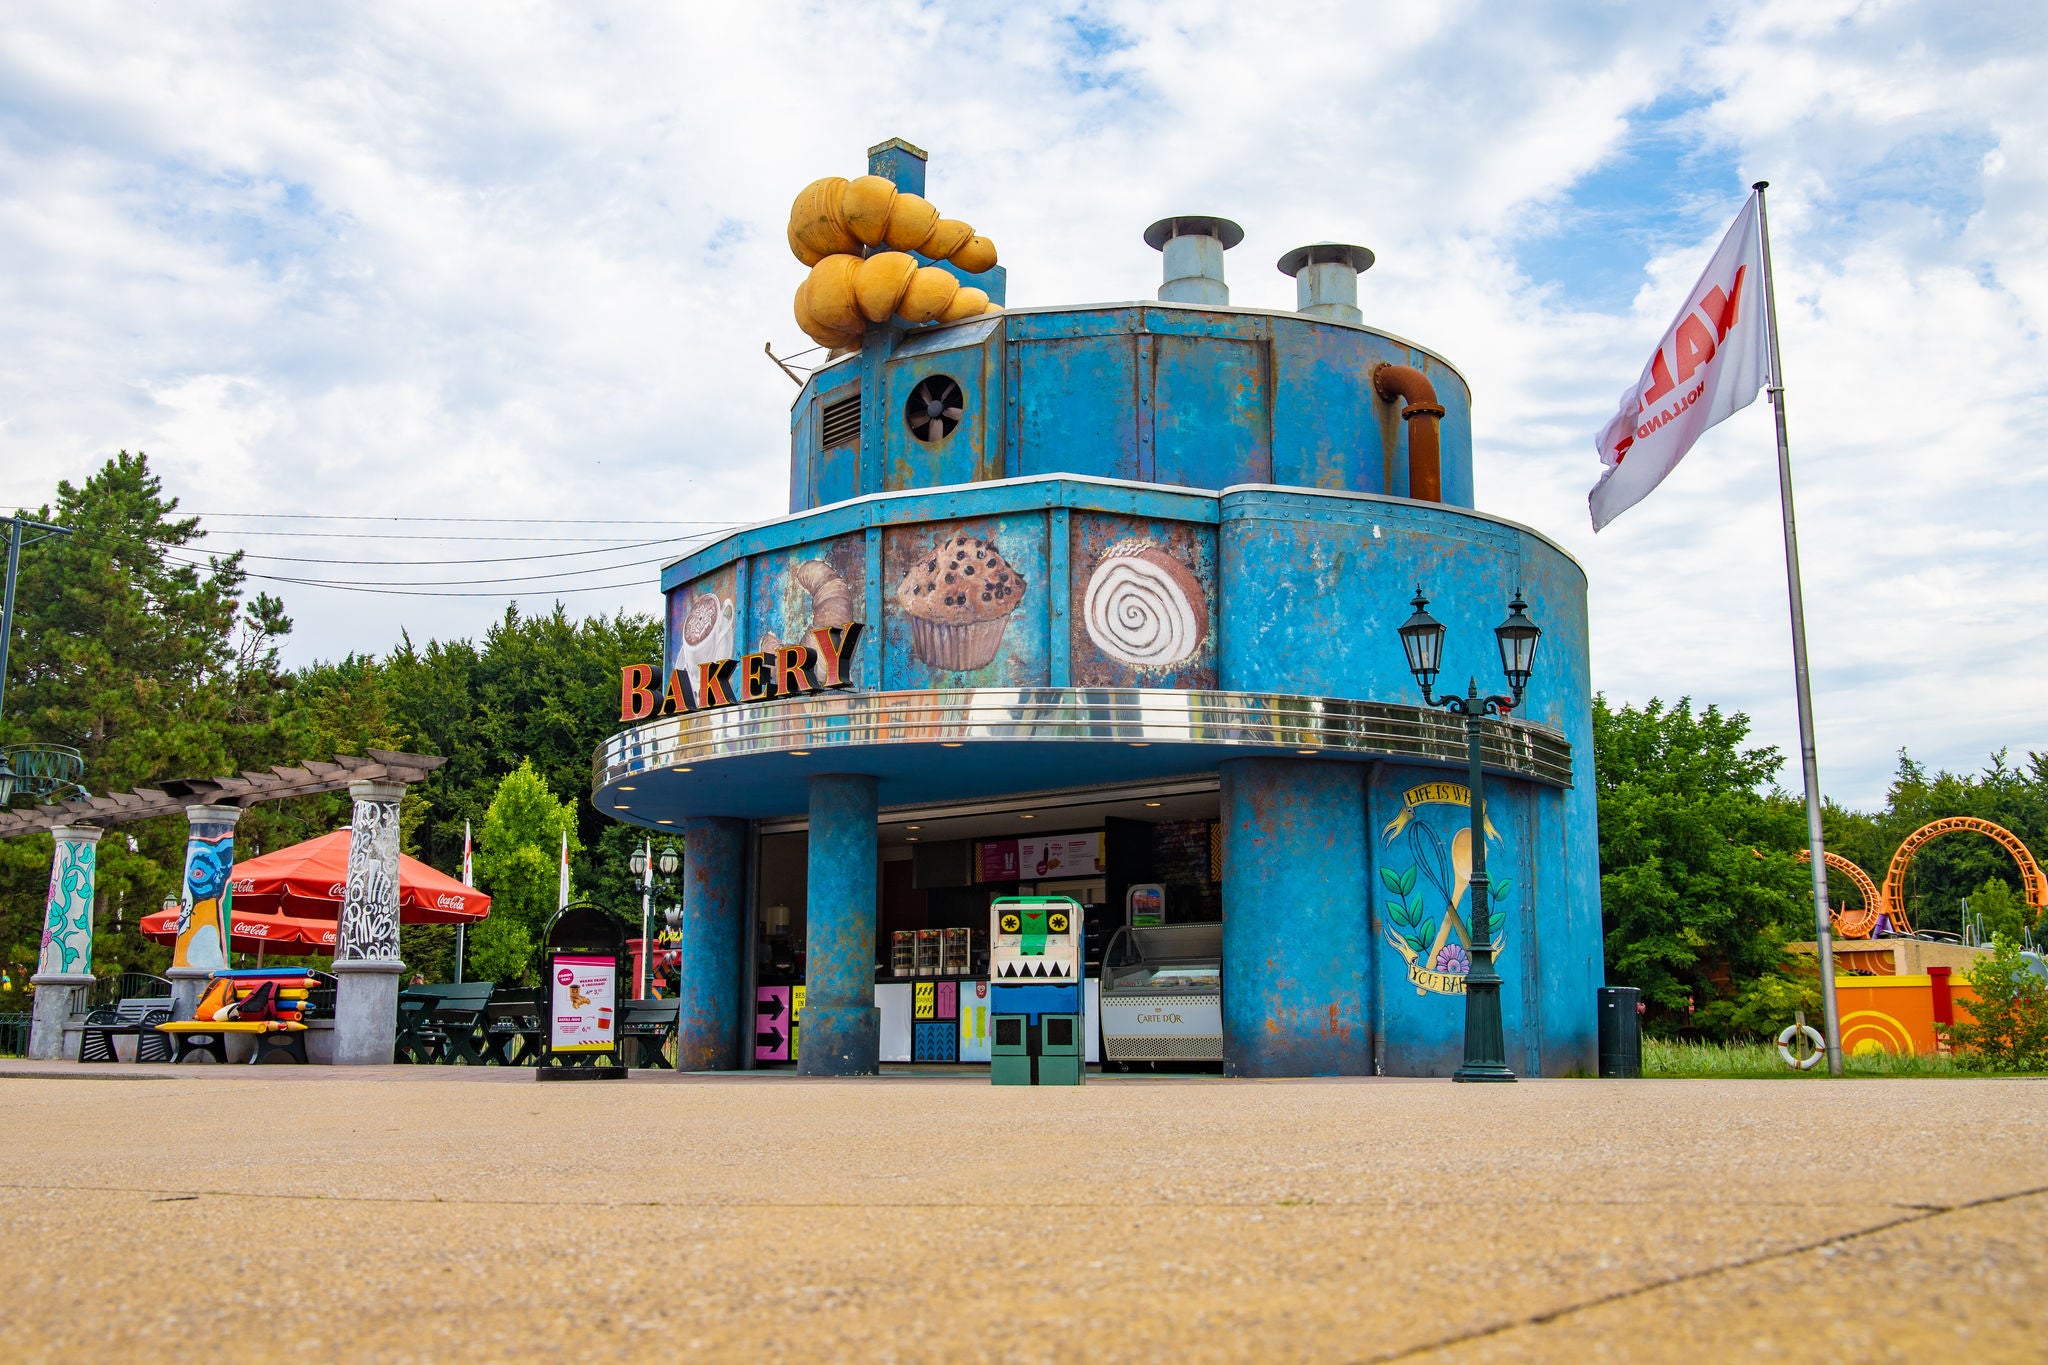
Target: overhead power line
x,y
642,583
480,521
554,577
493,559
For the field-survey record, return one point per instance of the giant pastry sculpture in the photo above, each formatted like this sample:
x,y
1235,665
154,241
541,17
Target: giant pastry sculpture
x,y
835,220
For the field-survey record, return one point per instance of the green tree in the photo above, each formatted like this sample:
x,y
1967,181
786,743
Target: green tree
x,y
1700,886
542,689
2010,1013
2001,910
136,648
518,860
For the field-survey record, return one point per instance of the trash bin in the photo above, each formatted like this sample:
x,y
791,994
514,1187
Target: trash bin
x,y
1621,1033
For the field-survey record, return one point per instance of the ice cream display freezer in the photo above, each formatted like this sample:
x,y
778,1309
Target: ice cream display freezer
x,y
1162,994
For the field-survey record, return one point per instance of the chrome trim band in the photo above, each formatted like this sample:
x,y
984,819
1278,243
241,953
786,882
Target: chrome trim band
x,y
845,721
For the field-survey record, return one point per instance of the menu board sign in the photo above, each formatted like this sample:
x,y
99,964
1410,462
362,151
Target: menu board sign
x,y
1064,855
996,860
580,1017
1012,860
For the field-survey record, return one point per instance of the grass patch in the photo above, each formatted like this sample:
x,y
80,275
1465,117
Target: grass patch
x,y
1760,1061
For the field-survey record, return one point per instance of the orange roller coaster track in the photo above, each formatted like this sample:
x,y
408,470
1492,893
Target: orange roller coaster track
x,y
1890,899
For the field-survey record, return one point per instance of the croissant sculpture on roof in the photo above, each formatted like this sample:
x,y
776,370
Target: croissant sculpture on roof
x,y
834,219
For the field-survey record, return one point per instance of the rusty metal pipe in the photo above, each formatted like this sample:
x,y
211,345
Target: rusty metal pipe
x,y
1412,387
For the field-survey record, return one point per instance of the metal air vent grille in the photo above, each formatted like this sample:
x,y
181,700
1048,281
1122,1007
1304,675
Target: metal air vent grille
x,y
841,425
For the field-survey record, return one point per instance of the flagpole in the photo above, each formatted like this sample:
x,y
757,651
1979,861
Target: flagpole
x,y
462,927
1809,762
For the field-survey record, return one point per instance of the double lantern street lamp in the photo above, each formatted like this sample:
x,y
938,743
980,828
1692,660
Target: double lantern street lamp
x,y
644,862
1423,638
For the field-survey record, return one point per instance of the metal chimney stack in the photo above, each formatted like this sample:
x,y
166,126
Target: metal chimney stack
x,y
1326,279
1193,248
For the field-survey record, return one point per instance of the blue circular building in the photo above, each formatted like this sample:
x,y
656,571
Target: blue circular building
x,y
1072,600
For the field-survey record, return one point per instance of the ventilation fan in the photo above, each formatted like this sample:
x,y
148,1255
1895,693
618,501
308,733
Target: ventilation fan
x,y
935,408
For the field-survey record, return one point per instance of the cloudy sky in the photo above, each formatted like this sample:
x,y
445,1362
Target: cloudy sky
x,y
518,262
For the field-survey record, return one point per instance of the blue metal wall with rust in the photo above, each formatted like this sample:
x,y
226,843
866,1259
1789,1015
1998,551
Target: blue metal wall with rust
x,y
1196,397
1298,989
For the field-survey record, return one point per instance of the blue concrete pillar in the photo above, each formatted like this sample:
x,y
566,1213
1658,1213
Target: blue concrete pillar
x,y
1297,945
713,1002
842,1032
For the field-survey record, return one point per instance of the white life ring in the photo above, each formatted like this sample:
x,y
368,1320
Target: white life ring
x,y
1820,1047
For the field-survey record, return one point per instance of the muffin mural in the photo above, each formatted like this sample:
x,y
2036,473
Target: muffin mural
x,y
959,598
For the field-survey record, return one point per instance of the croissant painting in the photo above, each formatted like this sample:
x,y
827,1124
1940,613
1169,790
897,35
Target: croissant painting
x,y
833,220
831,595
831,598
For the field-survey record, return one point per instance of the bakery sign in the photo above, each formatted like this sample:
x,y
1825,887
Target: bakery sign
x,y
818,665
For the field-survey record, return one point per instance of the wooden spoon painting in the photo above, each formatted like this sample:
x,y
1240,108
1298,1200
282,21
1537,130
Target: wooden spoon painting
x,y
1461,864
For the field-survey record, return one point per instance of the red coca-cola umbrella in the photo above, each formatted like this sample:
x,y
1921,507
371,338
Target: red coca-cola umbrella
x,y
307,881
280,935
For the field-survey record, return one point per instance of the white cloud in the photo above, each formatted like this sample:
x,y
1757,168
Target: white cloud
x,y
401,259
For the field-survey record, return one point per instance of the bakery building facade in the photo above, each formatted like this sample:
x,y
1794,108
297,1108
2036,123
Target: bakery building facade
x,y
1101,601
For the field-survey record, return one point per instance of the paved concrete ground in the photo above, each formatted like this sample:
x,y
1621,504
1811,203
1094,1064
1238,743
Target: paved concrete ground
x,y
434,1213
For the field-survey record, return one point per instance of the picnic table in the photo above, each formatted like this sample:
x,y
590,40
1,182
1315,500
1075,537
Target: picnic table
x,y
514,1028
645,1030
442,1023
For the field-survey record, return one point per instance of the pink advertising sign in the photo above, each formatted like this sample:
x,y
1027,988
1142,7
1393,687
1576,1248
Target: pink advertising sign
x,y
581,990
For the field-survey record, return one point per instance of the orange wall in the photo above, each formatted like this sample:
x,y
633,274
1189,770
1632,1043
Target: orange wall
x,y
1893,1013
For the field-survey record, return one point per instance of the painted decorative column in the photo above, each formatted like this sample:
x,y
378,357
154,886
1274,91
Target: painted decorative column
x,y
713,1003
205,904
66,958
1297,938
842,1027
366,942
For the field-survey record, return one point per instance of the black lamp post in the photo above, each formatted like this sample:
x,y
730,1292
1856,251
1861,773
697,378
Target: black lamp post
x,y
644,868
1422,636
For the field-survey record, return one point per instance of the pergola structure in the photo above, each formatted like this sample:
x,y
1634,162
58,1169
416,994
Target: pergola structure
x,y
366,948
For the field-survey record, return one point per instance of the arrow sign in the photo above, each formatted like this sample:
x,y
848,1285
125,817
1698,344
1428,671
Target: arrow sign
x,y
771,1003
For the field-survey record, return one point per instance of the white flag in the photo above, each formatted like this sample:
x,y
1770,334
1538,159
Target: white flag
x,y
562,899
1712,362
468,873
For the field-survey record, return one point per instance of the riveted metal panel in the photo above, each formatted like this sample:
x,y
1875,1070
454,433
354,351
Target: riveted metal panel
x,y
1211,424
1326,433
1076,406
967,454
